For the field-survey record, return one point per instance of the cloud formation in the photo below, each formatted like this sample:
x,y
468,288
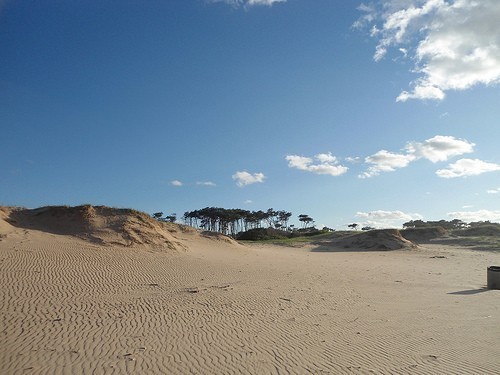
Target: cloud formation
x,y
264,2
493,191
176,183
467,167
435,149
385,161
206,183
243,178
458,42
247,3
440,148
386,219
480,215
320,164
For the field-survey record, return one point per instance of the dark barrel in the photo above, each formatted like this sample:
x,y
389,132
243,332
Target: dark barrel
x,y
493,277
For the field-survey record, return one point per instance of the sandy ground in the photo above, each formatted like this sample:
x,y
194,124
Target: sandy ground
x,y
72,307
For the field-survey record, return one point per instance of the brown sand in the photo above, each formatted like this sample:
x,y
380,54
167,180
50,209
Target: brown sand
x,y
211,306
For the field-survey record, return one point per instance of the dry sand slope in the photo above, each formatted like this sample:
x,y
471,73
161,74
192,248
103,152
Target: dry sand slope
x,y
215,307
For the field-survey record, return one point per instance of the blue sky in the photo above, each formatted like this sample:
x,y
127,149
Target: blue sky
x,y
376,113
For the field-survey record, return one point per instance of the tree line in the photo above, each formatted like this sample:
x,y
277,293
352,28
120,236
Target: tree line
x,y
233,221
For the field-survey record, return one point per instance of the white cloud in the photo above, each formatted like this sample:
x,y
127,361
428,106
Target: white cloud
x,y
386,219
480,215
353,159
176,183
494,191
320,164
438,148
247,3
385,161
467,167
326,158
206,183
423,91
264,2
299,162
457,42
368,17
243,178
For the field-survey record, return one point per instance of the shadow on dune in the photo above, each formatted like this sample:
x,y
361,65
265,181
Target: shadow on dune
x,y
61,220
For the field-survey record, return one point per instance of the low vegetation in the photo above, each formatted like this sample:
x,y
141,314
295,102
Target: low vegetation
x,y
270,234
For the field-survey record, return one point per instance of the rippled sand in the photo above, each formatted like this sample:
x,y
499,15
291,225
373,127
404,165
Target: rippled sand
x,y
73,307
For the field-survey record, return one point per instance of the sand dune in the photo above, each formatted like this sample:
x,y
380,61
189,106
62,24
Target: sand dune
x,y
381,239
97,224
104,304
421,235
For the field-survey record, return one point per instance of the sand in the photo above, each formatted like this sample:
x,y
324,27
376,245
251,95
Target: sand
x,y
212,306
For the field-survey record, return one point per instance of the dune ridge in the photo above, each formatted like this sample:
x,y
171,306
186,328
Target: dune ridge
x,y
102,225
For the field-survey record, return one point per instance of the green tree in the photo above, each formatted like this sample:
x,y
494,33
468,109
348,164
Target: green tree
x,y
158,215
171,218
305,219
